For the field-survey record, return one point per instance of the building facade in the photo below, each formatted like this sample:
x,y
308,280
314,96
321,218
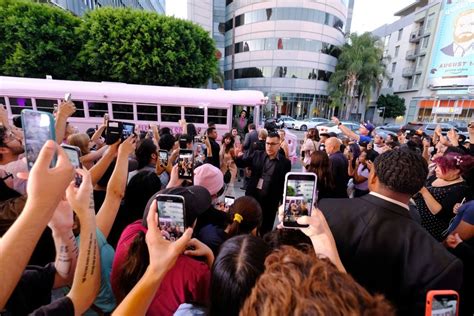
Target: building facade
x,y
435,86
80,7
287,49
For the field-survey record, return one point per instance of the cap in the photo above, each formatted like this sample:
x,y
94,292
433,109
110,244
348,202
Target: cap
x,y
461,138
209,177
368,126
331,134
196,201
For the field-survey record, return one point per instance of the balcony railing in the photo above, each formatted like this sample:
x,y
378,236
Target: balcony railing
x,y
411,54
408,86
408,71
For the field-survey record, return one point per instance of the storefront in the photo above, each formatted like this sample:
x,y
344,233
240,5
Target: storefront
x,y
445,110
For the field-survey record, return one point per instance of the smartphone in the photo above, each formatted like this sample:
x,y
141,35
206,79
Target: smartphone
x,y
128,129
229,200
74,155
197,139
299,197
171,215
185,164
38,128
113,132
442,302
67,97
163,157
303,153
183,143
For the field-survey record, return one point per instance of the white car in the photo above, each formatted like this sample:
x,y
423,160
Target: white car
x,y
333,128
288,121
310,123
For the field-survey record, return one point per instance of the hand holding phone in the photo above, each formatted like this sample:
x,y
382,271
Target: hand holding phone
x,y
74,155
164,155
299,197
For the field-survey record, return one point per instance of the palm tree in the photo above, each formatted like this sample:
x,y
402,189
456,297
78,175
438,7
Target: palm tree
x,y
358,70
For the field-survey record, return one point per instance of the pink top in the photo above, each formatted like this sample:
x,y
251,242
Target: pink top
x,y
187,282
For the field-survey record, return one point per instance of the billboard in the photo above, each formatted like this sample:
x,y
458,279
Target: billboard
x,y
453,51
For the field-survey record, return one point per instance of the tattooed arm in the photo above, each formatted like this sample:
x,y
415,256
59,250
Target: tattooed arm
x,y
65,243
87,275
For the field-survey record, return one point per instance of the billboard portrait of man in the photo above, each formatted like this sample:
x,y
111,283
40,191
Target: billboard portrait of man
x,y
463,36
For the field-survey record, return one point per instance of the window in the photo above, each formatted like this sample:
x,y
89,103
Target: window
x,y
122,111
217,116
390,82
400,33
147,112
429,21
425,42
194,115
394,66
18,104
420,62
46,105
416,80
97,109
170,113
397,49
79,108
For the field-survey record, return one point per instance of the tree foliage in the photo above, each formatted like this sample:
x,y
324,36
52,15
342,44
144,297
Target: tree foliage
x,y
145,48
358,70
393,104
36,40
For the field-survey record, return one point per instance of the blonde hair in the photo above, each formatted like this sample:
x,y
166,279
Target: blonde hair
x,y
80,140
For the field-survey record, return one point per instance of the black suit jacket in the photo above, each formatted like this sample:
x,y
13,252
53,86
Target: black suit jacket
x,y
250,138
387,252
256,163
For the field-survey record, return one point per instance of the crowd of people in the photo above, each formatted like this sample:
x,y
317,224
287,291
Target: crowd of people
x,y
394,219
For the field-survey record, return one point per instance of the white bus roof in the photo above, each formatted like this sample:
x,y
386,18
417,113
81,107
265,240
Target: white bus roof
x,y
115,91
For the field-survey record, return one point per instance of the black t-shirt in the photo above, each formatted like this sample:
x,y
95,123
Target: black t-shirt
x,y
33,290
214,160
60,307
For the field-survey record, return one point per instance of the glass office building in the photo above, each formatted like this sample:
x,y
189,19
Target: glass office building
x,y
80,7
287,49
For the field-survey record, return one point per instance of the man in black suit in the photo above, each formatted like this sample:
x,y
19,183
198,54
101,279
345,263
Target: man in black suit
x,y
267,181
250,138
339,165
213,159
381,246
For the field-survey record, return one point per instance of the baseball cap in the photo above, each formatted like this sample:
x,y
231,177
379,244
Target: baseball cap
x,y
368,126
197,200
331,134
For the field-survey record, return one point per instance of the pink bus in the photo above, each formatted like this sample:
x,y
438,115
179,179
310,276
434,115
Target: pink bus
x,y
140,104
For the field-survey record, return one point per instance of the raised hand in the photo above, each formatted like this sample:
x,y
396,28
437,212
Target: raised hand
x,y
128,146
81,198
66,109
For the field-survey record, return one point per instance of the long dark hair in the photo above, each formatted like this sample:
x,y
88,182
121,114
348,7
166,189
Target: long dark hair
x,y
320,165
134,266
191,130
355,150
250,215
235,271
231,144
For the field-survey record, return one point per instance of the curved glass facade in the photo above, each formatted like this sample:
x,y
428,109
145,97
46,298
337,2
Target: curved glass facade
x,y
282,14
297,104
300,44
279,72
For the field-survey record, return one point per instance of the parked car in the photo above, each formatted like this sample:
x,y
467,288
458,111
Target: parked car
x,y
389,127
286,121
333,128
428,128
310,123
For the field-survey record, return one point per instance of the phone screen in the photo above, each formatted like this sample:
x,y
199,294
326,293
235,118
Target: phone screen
x,y
229,200
128,129
163,157
444,305
299,199
185,164
171,216
73,157
38,128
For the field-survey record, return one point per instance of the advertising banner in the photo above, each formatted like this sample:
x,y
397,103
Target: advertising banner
x,y
453,51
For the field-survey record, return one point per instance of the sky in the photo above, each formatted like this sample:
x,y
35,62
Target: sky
x,y
368,14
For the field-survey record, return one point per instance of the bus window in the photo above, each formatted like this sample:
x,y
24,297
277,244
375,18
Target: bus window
x,y
170,113
46,105
147,112
217,116
18,104
193,115
79,108
122,111
97,109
